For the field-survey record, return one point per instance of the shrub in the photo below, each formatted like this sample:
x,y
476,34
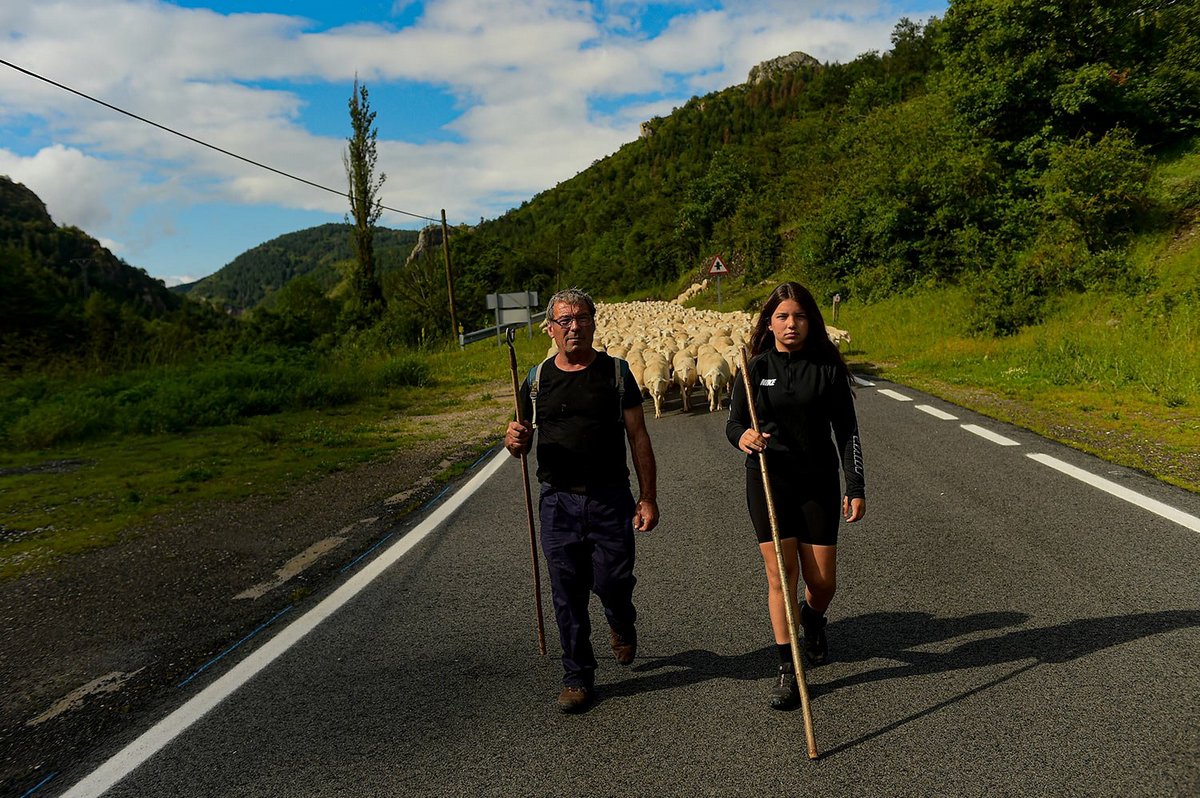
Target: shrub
x,y
402,371
70,418
1004,299
327,390
1099,187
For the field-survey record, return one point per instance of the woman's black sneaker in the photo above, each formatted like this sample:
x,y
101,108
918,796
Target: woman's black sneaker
x,y
816,649
785,694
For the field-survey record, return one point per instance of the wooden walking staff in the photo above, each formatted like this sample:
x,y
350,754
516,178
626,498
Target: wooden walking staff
x,y
789,601
533,556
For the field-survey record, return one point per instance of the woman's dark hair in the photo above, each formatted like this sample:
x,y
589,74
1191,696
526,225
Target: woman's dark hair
x,y
816,344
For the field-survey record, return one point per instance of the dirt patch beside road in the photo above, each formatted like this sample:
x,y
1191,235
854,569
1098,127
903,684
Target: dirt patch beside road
x,y
93,643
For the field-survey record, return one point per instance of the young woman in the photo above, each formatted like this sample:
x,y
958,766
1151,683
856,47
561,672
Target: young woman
x,y
801,392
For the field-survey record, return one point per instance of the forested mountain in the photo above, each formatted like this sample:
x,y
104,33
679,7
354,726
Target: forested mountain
x,y
315,252
60,290
1008,144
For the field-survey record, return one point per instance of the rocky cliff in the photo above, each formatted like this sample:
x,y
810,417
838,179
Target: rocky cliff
x,y
784,63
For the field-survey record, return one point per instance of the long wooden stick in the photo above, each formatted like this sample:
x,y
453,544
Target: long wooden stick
x,y
533,555
789,601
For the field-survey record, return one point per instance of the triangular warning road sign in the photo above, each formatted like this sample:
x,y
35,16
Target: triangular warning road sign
x,y
718,266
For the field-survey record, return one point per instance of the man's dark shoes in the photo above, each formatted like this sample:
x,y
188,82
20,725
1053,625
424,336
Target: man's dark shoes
x,y
624,648
574,699
816,649
785,694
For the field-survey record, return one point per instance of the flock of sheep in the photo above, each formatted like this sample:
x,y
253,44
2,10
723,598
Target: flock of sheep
x,y
671,347
668,345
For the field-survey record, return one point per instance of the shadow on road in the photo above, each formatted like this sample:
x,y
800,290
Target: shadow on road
x,y
898,636
854,639
895,635
699,665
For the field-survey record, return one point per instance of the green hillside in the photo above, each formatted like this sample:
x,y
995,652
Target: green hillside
x,y
1008,147
315,252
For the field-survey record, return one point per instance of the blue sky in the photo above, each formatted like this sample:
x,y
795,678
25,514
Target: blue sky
x,y
480,103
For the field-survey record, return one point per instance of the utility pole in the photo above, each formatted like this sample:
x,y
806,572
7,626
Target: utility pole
x,y
449,276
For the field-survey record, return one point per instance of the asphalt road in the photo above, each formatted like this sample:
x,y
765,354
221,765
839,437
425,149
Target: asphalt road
x,y
1001,628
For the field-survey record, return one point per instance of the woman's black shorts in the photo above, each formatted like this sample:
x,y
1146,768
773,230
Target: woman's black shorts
x,y
807,507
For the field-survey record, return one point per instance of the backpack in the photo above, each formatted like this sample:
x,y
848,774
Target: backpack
x,y
535,373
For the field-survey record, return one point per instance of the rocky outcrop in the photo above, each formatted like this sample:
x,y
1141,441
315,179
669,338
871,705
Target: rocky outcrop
x,y
430,238
784,63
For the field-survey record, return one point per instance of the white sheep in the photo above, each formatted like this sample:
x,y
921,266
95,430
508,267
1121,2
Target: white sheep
x,y
637,368
658,378
686,376
715,375
839,337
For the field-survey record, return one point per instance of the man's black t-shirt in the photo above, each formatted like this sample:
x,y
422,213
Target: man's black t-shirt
x,y
581,423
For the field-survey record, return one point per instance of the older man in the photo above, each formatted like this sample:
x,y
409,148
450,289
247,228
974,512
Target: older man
x,y
584,405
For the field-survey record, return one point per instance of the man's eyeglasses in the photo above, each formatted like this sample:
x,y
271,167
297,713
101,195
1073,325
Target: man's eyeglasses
x,y
579,321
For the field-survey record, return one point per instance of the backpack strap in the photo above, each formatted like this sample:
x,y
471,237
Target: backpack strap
x,y
619,379
534,375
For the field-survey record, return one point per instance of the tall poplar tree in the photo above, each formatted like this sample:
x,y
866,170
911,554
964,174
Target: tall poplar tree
x,y
365,205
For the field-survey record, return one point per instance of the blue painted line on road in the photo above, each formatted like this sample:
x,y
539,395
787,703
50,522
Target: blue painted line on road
x,y
433,501
227,651
482,457
38,786
357,559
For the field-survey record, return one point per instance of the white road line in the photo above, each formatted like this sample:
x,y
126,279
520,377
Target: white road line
x,y
860,381
899,397
170,727
933,411
1120,491
987,434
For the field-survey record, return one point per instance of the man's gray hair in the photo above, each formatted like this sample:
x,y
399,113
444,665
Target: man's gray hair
x,y
573,297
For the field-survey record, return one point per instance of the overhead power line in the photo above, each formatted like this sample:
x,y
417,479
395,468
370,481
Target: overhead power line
x,y
195,140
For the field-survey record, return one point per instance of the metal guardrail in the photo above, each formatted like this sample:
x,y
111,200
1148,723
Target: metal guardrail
x,y
535,319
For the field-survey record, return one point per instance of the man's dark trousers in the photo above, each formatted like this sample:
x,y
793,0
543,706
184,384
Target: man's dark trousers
x,y
587,538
